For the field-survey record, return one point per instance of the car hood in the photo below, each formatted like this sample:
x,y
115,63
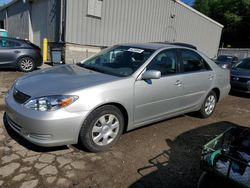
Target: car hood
x,y
240,72
60,80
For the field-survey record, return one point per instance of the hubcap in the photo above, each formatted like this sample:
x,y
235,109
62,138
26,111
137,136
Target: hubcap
x,y
210,104
26,64
105,130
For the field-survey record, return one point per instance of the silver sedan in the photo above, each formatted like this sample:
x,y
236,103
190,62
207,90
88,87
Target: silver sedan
x,y
121,88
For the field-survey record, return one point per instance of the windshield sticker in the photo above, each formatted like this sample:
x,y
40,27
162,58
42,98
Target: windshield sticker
x,y
136,50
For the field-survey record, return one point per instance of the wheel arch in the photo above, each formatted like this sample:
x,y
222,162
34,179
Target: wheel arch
x,y
121,108
217,92
23,56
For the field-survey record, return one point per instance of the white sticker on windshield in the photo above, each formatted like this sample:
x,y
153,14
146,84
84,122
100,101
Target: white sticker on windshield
x,y
136,50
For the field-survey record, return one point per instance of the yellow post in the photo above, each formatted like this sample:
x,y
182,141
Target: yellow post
x,y
45,50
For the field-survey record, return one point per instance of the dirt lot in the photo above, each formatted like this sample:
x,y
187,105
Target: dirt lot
x,y
165,154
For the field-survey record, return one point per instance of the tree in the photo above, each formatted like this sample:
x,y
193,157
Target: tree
x,y
234,15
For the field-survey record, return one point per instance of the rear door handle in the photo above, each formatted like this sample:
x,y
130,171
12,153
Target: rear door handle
x,y
17,51
178,83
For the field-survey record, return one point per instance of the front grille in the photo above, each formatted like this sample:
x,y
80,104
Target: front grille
x,y
239,79
20,97
14,125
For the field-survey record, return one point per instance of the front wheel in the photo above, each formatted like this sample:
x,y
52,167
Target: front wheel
x,y
102,128
26,64
209,105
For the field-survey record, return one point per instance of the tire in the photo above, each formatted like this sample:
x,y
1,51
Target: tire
x,y
102,128
26,64
208,105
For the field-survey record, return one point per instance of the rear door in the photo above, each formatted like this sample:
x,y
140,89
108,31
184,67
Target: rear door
x,y
197,78
9,50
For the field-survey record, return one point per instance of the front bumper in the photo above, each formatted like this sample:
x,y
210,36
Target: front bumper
x,y
240,87
46,129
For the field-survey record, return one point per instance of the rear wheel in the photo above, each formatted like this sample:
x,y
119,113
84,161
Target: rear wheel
x,y
26,64
102,128
209,105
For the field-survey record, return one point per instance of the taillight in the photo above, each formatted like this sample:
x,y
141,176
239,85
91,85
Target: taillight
x,y
38,51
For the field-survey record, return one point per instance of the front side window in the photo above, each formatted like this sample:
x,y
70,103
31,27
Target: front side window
x,y
193,62
165,62
119,61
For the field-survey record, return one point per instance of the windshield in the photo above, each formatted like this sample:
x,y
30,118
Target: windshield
x,y
244,64
118,60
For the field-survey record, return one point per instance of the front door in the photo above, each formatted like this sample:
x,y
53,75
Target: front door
x,y
158,97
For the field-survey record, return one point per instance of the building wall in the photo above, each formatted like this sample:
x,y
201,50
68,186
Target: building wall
x,y
198,30
140,21
33,21
17,20
45,20
241,53
74,53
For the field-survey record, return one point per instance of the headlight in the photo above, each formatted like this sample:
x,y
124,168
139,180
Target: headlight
x,y
50,103
225,66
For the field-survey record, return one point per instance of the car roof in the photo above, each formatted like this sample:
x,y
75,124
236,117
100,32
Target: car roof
x,y
20,40
159,45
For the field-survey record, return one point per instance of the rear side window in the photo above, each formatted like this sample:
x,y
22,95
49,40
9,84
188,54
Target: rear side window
x,y
193,62
8,43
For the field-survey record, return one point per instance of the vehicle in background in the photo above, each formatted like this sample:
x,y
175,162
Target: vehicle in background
x,y
226,61
3,33
119,89
240,76
21,54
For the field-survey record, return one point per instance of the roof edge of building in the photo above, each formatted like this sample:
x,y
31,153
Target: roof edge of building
x,y
178,1
199,13
8,4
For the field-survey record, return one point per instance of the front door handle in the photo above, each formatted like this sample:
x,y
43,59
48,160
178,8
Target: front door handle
x,y
178,83
211,77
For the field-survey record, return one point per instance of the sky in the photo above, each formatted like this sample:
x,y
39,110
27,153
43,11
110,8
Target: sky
x,y
4,1
189,2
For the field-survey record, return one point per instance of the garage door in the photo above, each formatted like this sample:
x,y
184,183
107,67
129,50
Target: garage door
x,y
39,15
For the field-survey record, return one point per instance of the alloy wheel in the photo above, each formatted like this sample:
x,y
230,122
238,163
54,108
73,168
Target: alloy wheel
x,y
26,64
210,104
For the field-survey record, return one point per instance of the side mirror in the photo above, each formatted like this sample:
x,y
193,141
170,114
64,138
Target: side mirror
x,y
151,74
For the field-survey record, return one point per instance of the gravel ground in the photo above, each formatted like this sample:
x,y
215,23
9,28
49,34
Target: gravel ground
x,y
165,154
